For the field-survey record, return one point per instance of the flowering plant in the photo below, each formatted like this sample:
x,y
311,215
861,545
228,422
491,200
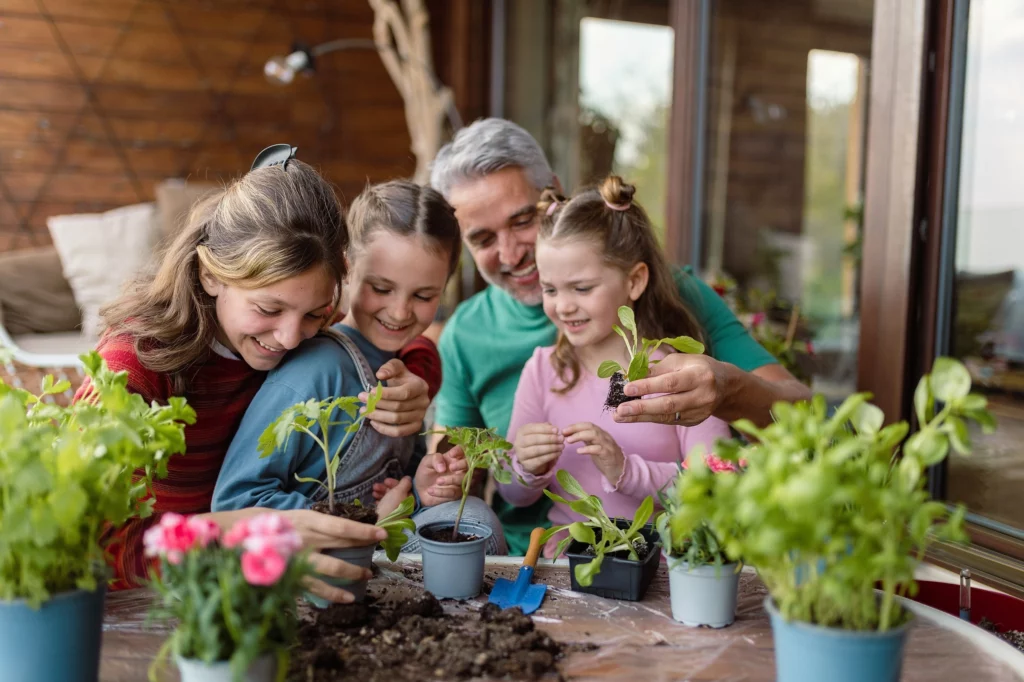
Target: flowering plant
x,y
233,595
697,545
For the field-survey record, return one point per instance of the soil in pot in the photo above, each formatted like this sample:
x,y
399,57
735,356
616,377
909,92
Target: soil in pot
x,y
616,394
412,639
352,512
642,547
1014,638
445,535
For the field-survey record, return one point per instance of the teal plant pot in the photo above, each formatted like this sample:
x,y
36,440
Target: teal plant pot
x,y
811,653
454,570
357,556
58,641
703,595
263,669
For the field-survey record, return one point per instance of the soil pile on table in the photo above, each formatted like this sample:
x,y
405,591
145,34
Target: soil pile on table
x,y
414,640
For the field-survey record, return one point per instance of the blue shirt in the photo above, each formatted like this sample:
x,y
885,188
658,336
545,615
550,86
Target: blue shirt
x,y
319,369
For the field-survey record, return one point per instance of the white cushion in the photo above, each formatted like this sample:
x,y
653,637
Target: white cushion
x,y
101,252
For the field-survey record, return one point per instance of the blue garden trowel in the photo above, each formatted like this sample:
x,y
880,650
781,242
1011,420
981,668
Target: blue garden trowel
x,y
521,593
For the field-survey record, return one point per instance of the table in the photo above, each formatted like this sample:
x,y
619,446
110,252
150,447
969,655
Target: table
x,y
638,640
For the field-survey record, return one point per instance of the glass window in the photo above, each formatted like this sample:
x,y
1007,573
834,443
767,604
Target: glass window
x,y
786,110
987,313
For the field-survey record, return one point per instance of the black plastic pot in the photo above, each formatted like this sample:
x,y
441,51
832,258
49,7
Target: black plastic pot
x,y
619,578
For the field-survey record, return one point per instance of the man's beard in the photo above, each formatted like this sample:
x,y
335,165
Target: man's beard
x,y
531,298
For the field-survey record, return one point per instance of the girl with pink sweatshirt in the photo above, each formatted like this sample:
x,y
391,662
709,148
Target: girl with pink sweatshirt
x,y
595,253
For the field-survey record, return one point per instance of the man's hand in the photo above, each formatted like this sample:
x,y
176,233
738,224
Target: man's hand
x,y
601,447
695,384
538,447
403,402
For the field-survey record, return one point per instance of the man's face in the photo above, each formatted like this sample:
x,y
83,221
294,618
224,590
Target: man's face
x,y
498,218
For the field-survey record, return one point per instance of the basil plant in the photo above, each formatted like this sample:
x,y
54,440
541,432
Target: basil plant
x,y
831,505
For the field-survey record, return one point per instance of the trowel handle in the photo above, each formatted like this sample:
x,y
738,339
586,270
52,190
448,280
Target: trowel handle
x,y
534,551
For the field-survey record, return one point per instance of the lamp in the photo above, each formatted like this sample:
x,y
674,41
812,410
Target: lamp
x,y
403,42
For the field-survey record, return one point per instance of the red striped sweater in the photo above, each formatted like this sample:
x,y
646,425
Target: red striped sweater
x,y
220,392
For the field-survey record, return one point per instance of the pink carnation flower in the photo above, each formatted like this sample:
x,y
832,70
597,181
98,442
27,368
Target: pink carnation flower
x,y
264,567
170,538
263,532
756,319
715,464
206,530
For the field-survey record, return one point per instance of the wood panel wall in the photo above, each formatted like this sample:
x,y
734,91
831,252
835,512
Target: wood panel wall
x,y
100,100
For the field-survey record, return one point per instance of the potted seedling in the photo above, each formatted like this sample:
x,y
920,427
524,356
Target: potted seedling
x,y
845,497
613,558
232,598
640,351
703,579
318,419
453,553
68,474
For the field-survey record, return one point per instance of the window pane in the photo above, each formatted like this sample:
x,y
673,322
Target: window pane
x,y
787,101
988,299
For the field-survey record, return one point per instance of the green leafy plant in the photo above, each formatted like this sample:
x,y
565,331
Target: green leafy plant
x,y
830,506
696,545
598,531
483,449
68,473
396,524
640,350
302,418
233,598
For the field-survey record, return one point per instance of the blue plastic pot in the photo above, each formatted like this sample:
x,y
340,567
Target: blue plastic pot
x,y
357,556
454,570
811,653
58,641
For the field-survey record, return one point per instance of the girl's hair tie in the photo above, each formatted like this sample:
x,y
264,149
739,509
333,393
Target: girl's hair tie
x,y
617,207
552,207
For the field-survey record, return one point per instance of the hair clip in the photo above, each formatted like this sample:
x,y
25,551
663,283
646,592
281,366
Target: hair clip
x,y
275,155
617,207
552,207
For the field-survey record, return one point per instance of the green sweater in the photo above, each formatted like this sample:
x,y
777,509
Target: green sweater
x,y
488,340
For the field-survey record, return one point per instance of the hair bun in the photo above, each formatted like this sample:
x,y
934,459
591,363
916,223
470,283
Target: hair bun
x,y
549,201
617,193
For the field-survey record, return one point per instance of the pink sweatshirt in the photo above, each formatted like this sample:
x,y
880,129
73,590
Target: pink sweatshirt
x,y
652,451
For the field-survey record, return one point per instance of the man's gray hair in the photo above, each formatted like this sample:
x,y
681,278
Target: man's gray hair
x,y
488,146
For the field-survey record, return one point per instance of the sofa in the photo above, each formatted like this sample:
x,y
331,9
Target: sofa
x,y
50,296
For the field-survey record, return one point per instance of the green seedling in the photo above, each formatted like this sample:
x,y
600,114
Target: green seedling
x,y
483,449
611,539
640,350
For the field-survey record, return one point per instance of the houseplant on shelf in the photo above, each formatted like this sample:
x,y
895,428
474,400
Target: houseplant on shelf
x,y
703,579
453,553
317,419
233,597
843,497
613,558
66,475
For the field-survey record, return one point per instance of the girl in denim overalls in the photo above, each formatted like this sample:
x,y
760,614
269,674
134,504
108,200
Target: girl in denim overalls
x,y
404,245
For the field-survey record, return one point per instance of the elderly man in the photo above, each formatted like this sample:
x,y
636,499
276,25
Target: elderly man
x,y
493,173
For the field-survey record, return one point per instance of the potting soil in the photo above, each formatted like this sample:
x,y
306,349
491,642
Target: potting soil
x,y
395,639
1014,638
445,535
352,512
616,394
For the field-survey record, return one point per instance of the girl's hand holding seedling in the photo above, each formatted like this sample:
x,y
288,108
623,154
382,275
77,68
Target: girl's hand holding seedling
x,y
538,447
403,402
601,447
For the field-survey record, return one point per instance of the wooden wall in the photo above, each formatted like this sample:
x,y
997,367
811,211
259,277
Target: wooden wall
x,y
102,99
